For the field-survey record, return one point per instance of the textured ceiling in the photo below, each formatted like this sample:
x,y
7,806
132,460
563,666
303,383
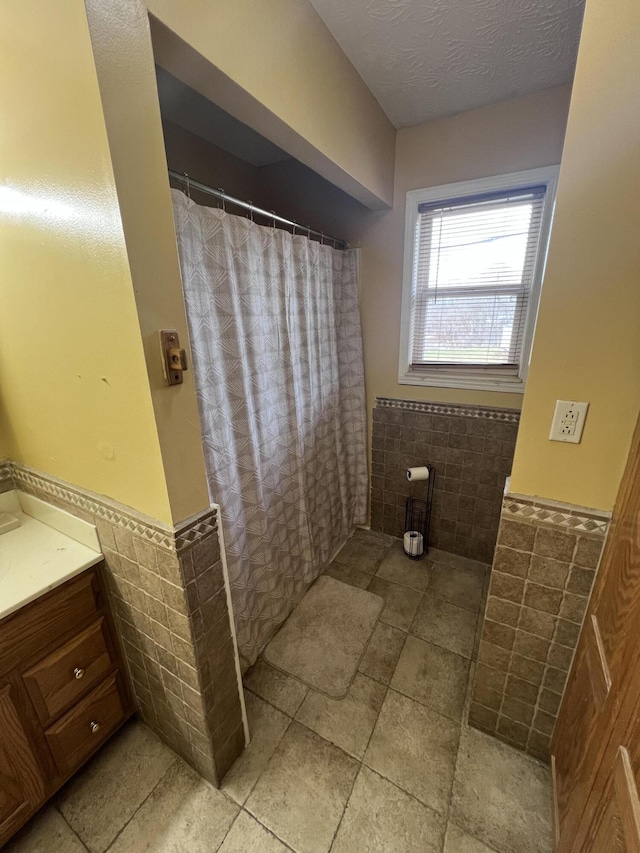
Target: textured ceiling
x,y
423,59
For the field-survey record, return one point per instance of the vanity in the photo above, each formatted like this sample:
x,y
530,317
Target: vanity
x,y
62,692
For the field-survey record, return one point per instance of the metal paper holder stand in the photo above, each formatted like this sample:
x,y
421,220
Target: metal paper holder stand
x,y
417,516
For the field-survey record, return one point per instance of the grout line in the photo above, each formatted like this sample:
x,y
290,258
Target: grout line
x,y
266,828
162,778
71,828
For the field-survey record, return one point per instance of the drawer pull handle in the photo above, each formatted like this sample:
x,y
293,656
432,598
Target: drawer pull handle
x,y
78,673
95,727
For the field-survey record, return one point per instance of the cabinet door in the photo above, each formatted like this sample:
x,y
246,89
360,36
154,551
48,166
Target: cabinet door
x,y
21,783
618,828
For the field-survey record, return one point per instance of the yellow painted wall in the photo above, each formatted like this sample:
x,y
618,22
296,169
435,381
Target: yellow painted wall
x,y
75,395
126,78
288,76
587,344
523,133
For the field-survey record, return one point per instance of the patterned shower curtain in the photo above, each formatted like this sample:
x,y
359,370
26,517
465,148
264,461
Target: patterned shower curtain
x,y
277,352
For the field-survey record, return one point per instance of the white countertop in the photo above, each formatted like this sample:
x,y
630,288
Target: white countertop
x,y
50,547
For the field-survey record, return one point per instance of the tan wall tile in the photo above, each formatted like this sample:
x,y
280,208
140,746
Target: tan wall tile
x,y
516,710
506,587
531,646
515,535
549,572
511,562
542,598
483,718
505,612
555,544
588,552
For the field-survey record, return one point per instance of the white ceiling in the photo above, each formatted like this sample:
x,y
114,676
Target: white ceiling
x,y
423,59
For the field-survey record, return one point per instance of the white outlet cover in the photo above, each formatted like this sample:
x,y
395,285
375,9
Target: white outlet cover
x,y
568,421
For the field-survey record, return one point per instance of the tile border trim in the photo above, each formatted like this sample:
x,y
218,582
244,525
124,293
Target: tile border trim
x,y
549,513
509,416
184,535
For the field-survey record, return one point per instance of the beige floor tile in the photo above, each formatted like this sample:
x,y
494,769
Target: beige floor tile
x,y
432,676
267,725
183,814
464,589
398,568
380,659
248,836
46,832
348,574
400,603
415,747
275,687
303,791
501,796
362,554
458,841
346,722
100,799
380,817
445,625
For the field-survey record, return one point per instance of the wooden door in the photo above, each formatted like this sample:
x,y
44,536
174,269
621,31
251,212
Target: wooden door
x,y
596,743
21,784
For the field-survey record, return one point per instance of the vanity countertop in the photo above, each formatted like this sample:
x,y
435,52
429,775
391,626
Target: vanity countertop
x,y
48,548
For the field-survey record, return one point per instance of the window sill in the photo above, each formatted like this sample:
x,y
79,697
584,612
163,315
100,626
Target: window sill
x,y
468,381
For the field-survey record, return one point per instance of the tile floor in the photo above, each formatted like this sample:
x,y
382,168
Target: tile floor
x,y
392,768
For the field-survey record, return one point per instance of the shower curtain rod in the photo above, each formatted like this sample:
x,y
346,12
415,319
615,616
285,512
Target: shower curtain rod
x,y
247,205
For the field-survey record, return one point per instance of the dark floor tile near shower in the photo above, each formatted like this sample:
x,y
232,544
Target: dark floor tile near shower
x,y
445,625
400,603
398,568
348,574
459,587
275,687
362,554
432,676
383,651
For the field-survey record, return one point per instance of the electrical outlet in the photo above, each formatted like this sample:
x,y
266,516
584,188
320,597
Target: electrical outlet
x,y
568,421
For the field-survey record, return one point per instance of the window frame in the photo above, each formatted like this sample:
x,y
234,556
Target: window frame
x,y
476,377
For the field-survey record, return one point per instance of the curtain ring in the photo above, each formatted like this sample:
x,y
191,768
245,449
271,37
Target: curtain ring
x,y
293,230
250,203
308,232
188,186
222,199
321,239
273,217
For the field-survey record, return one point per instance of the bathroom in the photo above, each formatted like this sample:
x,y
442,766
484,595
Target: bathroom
x,y
349,697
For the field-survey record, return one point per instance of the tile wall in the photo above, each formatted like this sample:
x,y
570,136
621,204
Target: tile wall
x,y
471,448
170,607
543,571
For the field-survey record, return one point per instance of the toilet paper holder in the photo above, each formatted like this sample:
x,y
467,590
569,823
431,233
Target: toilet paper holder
x,y
417,518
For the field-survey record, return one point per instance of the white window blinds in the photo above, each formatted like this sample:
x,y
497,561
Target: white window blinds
x,y
474,264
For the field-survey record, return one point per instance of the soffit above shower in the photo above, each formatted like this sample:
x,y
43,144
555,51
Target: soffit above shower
x,y
189,109
424,59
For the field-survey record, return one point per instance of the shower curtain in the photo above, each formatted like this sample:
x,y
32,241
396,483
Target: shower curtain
x,y
277,357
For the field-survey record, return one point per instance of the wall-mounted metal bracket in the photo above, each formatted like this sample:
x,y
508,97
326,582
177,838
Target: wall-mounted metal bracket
x,y
174,359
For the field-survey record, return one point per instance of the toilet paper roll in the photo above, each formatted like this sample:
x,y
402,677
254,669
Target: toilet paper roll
x,y
413,544
421,473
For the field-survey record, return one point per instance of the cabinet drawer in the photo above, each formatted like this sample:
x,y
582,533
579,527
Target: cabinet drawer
x,y
82,729
60,679
46,622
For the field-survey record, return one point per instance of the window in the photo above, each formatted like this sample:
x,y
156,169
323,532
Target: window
x,y
474,257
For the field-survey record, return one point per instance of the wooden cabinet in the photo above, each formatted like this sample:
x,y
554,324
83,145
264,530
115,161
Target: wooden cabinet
x,y
596,743
61,693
